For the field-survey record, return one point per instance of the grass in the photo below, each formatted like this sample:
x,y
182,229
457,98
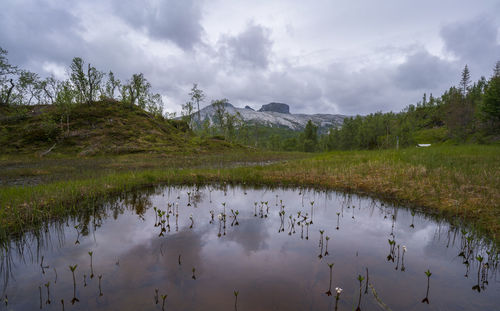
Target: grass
x,y
460,183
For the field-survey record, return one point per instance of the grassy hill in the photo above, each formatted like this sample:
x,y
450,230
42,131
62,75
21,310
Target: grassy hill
x,y
104,127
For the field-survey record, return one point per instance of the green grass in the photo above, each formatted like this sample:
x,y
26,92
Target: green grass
x,y
460,183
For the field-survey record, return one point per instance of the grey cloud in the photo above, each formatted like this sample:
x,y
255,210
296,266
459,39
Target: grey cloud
x,y
424,71
38,31
177,21
474,42
251,48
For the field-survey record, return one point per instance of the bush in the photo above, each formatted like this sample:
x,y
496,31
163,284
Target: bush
x,y
44,130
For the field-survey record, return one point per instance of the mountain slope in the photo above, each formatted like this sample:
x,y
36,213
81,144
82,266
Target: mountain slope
x,y
275,116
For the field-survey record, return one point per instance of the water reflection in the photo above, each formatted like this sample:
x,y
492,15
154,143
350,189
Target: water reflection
x,y
224,248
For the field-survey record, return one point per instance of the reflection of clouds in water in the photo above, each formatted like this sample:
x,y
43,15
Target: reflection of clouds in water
x,y
251,234
272,270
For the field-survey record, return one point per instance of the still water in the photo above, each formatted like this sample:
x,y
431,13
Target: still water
x,y
162,249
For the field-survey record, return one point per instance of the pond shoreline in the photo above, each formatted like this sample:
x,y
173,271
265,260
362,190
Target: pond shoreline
x,y
452,182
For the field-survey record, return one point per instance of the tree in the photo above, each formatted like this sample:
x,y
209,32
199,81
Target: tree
x,y
65,100
78,79
187,112
49,86
496,70
220,113
6,76
197,96
136,90
490,105
111,85
154,104
28,88
310,137
87,85
94,78
465,81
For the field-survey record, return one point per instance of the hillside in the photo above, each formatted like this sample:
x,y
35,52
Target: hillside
x,y
277,115
104,127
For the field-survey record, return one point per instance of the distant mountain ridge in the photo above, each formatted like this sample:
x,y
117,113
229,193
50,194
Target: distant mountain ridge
x,y
276,115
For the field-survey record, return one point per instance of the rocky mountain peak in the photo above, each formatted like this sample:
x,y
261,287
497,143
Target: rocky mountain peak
x,y
276,107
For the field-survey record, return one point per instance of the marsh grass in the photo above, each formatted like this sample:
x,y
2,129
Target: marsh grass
x,y
460,183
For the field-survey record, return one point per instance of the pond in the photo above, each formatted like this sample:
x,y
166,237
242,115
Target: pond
x,y
227,248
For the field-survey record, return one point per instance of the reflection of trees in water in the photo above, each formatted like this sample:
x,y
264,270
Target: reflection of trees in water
x,y
28,247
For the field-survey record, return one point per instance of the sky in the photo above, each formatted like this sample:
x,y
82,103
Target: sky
x,y
345,57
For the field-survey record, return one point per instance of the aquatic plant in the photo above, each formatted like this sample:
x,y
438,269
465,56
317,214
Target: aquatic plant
x,y
220,224
338,220
392,246
360,279
193,277
397,262
403,259
192,221
77,235
73,268
329,291
426,298
163,298
100,290
338,291
43,266
236,292
321,244
327,238
156,296
480,259
62,303
47,285
91,265
312,209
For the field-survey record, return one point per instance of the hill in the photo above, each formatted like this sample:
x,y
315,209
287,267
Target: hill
x,y
276,115
103,127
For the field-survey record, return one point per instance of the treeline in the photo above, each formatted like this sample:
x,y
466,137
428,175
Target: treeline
x,y
86,84
469,112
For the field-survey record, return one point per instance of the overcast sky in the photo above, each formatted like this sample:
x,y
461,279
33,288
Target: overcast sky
x,y
349,57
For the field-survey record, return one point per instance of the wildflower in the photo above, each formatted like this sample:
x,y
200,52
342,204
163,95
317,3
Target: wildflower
x,y
404,248
219,216
338,290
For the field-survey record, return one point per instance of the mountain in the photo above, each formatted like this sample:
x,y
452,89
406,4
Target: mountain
x,y
276,115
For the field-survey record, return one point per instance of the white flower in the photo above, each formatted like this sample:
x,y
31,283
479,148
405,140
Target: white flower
x,y
338,290
219,216
404,248
191,216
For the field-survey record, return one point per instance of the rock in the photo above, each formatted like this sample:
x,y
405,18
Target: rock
x,y
249,108
276,107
